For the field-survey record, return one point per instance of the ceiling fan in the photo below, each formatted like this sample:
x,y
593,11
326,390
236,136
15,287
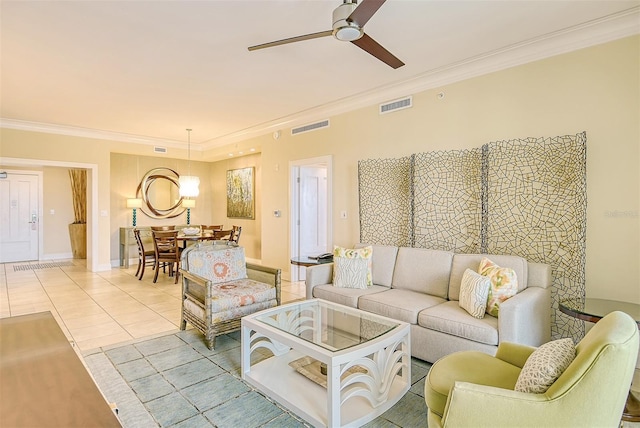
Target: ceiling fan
x,y
348,26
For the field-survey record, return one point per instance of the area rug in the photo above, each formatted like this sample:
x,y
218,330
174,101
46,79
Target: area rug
x,y
175,381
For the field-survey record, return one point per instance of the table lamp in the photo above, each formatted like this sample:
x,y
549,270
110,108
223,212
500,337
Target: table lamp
x,y
188,204
134,203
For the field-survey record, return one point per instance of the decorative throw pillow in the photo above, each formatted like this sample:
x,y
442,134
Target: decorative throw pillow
x,y
218,263
474,291
351,267
545,365
504,284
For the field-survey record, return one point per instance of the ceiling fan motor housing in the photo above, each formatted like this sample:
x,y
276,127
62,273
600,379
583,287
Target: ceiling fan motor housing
x,y
342,28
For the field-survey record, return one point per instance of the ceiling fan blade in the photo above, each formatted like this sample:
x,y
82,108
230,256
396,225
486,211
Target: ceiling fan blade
x,y
369,45
292,40
365,11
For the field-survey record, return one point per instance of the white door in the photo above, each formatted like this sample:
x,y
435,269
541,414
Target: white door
x,y
310,210
19,217
313,210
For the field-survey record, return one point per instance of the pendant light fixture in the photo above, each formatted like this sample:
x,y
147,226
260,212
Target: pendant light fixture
x,y
189,183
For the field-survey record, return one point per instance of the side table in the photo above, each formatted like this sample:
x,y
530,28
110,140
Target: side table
x,y
593,310
306,261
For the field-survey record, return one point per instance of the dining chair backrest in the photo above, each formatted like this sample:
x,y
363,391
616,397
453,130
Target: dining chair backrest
x,y
165,243
235,236
213,227
222,234
160,228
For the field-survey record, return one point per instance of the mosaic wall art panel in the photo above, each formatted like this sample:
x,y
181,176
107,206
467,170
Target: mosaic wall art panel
x,y
385,201
536,199
447,200
524,197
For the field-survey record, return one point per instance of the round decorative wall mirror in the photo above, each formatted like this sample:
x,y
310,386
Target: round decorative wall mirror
x,y
159,190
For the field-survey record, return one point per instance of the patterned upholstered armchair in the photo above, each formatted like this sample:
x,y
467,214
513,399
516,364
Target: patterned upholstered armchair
x,y
219,288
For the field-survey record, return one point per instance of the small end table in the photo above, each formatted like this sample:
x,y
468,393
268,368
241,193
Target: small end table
x,y
306,261
593,310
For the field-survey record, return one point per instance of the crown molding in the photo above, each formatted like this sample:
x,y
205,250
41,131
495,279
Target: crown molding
x,y
73,131
602,30
599,31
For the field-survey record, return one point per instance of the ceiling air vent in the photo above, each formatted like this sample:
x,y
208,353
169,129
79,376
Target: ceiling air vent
x,y
310,127
396,105
157,149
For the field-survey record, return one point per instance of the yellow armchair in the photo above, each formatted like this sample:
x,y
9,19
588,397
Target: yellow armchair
x,y
472,389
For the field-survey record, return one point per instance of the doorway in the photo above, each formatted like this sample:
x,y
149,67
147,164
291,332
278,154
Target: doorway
x,y
311,228
20,213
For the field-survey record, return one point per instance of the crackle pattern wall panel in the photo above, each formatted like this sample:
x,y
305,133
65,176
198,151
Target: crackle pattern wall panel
x,y
385,201
447,200
525,197
536,199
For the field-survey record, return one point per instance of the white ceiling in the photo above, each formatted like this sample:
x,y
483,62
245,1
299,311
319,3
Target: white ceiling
x,y
144,71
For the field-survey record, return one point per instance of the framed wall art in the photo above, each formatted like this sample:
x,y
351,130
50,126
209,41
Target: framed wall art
x,y
240,193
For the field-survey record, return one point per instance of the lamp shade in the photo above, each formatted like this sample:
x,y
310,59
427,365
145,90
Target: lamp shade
x,y
189,186
188,203
134,203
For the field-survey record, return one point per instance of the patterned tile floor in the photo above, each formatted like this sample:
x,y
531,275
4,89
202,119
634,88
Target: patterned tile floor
x,y
175,381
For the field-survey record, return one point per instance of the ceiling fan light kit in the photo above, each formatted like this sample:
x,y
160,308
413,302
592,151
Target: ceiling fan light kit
x,y
343,29
348,26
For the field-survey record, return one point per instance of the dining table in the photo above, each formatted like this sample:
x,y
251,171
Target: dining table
x,y
202,235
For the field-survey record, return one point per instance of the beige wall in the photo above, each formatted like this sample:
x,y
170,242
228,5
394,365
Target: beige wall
x,y
127,171
596,90
56,197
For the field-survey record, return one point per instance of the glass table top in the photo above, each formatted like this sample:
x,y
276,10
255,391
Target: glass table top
x,y
331,326
592,310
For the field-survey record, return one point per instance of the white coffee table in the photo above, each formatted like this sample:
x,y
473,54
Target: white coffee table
x,y
367,357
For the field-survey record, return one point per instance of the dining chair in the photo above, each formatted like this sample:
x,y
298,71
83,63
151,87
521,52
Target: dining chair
x,y
167,251
222,234
235,236
145,257
161,228
214,227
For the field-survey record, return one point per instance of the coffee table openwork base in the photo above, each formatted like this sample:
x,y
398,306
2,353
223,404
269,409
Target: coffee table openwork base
x,y
362,381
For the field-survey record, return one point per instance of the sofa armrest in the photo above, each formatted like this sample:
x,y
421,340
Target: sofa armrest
x,y
267,275
472,405
526,317
514,353
194,286
318,275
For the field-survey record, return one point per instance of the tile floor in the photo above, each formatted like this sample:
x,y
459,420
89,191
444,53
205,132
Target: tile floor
x,y
103,308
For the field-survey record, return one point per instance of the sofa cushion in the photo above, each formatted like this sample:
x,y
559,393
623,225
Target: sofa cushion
x,y
218,263
470,366
242,292
344,296
229,314
423,270
504,284
383,261
461,262
402,305
352,267
474,292
450,318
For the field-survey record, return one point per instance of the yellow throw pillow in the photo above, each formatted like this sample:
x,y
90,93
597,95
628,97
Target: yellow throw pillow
x,y
504,284
352,267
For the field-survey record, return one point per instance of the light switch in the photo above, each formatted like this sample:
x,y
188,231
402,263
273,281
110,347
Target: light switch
x,y
104,213
343,214
52,211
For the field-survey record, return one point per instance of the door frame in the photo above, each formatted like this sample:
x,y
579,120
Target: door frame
x,y
294,197
39,174
92,199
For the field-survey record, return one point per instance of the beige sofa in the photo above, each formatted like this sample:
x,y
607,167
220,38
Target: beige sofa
x,y
421,287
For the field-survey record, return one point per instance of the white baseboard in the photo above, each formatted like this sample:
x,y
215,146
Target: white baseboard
x,y
57,256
